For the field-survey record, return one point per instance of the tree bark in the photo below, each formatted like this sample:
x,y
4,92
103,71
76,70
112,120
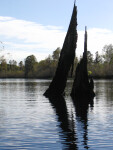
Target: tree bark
x,y
66,59
83,85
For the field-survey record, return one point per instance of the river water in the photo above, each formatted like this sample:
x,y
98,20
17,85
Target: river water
x,y
29,121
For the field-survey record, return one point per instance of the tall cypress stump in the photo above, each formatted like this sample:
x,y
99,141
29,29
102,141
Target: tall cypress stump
x,y
83,85
66,59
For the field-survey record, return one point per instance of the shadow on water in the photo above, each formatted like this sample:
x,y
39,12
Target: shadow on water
x,y
68,135
81,108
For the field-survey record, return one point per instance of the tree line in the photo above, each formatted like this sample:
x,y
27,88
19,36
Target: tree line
x,y
99,65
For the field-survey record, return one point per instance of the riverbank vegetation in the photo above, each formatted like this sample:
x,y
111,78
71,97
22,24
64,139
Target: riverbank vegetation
x,y
99,65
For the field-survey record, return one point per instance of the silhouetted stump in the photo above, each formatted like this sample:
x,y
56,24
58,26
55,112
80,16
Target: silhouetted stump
x,y
66,59
83,85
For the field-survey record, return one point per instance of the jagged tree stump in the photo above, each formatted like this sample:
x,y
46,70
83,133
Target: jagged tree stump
x,y
83,85
66,59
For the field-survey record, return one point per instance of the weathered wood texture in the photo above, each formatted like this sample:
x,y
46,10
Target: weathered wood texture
x,y
83,85
66,59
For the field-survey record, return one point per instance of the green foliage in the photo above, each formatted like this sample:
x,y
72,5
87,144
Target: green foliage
x,y
3,65
46,68
21,65
56,54
99,66
30,62
108,53
98,58
89,57
89,73
12,65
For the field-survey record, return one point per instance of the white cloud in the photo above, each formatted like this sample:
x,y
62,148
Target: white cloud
x,y
31,32
25,36
97,38
22,38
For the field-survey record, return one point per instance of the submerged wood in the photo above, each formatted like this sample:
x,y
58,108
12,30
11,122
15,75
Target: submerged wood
x,y
83,85
66,59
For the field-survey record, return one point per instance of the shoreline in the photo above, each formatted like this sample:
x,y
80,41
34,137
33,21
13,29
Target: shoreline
x,y
94,77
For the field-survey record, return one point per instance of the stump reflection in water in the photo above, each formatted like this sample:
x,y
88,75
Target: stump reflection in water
x,y
69,126
81,108
66,124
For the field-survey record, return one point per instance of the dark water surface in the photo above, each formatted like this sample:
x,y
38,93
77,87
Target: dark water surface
x,y
29,121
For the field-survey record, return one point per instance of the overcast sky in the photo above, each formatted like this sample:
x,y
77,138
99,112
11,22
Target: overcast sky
x,y
38,27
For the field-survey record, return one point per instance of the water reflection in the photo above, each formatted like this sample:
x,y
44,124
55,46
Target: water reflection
x,y
27,120
66,125
70,134
82,107
30,86
30,90
104,92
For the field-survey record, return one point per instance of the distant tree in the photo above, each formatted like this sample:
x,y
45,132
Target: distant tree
x,y
21,65
48,60
30,62
56,54
3,65
89,57
10,65
98,58
14,65
46,68
108,53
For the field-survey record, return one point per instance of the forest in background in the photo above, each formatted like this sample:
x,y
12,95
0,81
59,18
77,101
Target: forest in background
x,y
99,65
